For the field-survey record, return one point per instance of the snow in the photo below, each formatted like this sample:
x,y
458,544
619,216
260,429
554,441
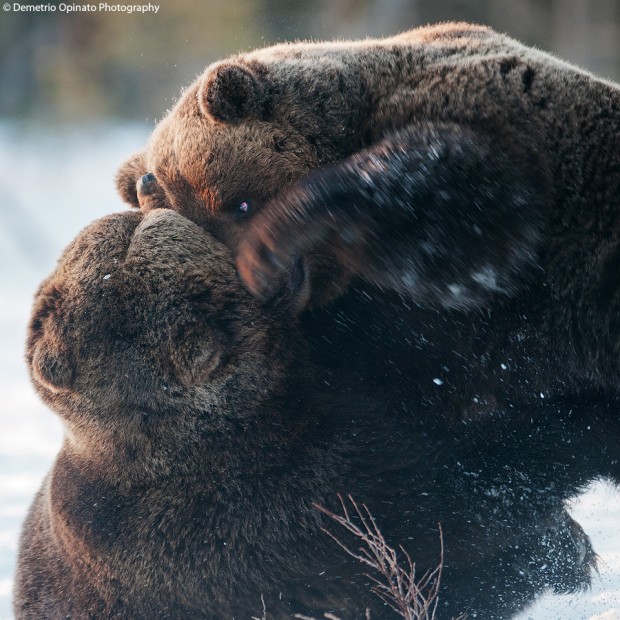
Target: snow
x,y
487,278
598,512
52,183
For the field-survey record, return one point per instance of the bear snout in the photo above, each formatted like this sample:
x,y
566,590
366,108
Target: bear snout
x,y
150,194
146,184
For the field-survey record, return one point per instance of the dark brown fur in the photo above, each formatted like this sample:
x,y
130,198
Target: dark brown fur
x,y
199,438
523,188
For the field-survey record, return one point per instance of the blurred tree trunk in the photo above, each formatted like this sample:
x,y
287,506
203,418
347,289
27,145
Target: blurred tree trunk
x,y
352,19
571,34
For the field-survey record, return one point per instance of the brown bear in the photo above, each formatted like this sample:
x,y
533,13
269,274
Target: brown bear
x,y
448,194
199,440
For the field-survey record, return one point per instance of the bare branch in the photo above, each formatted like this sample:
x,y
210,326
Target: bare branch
x,y
394,582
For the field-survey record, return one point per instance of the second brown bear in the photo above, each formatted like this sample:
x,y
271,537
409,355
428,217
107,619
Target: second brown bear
x,y
199,440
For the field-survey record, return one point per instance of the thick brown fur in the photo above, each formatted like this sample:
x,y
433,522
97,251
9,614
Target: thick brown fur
x,y
199,439
451,167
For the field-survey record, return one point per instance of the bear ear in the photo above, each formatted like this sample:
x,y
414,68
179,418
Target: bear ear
x,y
127,176
231,92
194,368
47,352
50,366
194,362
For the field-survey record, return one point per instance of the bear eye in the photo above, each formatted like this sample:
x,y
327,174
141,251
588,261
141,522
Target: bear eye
x,y
243,210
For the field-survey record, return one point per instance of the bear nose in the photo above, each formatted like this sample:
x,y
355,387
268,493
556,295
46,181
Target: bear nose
x,y
146,184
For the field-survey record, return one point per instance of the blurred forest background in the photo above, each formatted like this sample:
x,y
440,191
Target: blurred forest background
x,y
88,66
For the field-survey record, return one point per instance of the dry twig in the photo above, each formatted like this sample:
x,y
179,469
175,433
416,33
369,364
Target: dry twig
x,y
398,586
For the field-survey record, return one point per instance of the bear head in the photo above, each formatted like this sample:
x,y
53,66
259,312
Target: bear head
x,y
145,314
252,125
244,131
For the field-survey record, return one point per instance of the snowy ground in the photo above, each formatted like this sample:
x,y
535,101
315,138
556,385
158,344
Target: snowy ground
x,y
51,185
